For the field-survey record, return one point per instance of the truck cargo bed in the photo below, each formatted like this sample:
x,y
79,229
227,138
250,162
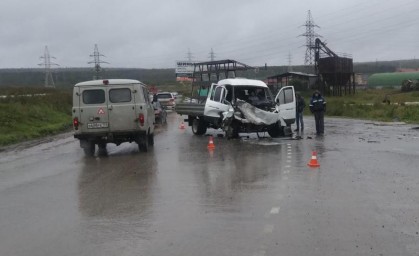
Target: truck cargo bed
x,y
190,109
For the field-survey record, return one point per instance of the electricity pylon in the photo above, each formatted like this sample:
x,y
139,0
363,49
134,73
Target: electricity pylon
x,y
96,60
49,81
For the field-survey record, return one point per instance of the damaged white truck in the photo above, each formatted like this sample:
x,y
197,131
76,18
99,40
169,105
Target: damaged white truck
x,y
239,105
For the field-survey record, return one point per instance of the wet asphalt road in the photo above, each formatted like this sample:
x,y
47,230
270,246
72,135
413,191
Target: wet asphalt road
x,y
248,197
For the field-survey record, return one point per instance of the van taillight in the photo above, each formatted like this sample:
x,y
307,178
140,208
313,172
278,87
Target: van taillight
x,y
76,123
141,119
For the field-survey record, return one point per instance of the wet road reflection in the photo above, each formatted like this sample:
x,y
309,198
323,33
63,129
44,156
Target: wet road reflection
x,y
247,197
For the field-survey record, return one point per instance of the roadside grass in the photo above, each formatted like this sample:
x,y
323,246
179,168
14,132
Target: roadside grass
x,y
30,116
368,104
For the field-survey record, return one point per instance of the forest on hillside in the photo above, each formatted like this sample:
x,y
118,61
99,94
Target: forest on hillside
x,y
67,77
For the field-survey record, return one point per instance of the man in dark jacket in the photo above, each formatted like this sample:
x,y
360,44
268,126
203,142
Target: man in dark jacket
x,y
301,104
318,107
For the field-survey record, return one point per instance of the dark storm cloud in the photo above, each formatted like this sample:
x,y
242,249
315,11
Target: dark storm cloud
x,y
149,34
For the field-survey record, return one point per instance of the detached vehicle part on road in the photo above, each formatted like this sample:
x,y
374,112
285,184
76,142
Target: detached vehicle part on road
x,y
112,111
241,105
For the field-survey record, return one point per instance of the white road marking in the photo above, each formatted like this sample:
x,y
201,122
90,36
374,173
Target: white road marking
x,y
275,210
285,178
289,156
269,228
288,161
260,253
287,166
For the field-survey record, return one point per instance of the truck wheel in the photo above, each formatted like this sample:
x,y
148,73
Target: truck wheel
x,y
151,139
143,143
102,145
232,132
89,148
276,130
199,127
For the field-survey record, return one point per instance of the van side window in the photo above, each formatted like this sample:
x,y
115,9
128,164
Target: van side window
x,y
93,96
146,96
289,96
218,94
120,95
286,96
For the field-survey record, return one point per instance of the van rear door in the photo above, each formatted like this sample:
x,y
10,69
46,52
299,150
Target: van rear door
x,y
286,104
121,108
93,109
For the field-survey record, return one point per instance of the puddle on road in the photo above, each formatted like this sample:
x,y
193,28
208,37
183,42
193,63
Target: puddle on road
x,y
263,143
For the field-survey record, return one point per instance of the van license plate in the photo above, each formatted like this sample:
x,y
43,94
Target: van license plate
x,y
97,125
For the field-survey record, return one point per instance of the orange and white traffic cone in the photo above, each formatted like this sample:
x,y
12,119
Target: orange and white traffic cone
x,y
211,144
182,125
313,162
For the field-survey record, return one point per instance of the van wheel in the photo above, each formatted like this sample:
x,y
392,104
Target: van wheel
x,y
276,130
89,148
102,148
199,127
151,139
143,143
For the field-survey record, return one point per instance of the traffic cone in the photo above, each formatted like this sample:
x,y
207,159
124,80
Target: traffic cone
x,y
313,162
211,144
182,125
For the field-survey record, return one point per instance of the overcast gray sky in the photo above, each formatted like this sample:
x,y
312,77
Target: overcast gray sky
x,y
154,34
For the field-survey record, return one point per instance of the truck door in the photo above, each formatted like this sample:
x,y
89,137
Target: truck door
x,y
121,108
93,109
286,104
215,104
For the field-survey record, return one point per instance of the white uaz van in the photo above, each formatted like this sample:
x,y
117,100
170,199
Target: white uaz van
x,y
112,111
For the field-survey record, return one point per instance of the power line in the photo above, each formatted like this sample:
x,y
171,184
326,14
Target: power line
x,y
189,55
310,36
289,62
245,47
212,55
96,60
49,81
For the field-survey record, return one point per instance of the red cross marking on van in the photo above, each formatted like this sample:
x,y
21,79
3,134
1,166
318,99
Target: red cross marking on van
x,y
101,111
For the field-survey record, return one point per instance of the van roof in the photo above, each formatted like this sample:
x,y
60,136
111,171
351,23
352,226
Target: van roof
x,y
102,82
242,82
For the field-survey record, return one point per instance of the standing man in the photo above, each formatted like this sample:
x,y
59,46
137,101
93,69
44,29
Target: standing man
x,y
301,104
318,107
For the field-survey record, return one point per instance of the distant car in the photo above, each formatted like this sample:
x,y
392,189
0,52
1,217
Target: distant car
x,y
160,113
166,99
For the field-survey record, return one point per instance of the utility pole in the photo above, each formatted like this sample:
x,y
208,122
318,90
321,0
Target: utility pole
x,y
310,36
189,55
49,81
289,62
212,55
96,60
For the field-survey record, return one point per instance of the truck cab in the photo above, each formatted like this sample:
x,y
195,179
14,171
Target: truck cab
x,y
251,105
112,111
